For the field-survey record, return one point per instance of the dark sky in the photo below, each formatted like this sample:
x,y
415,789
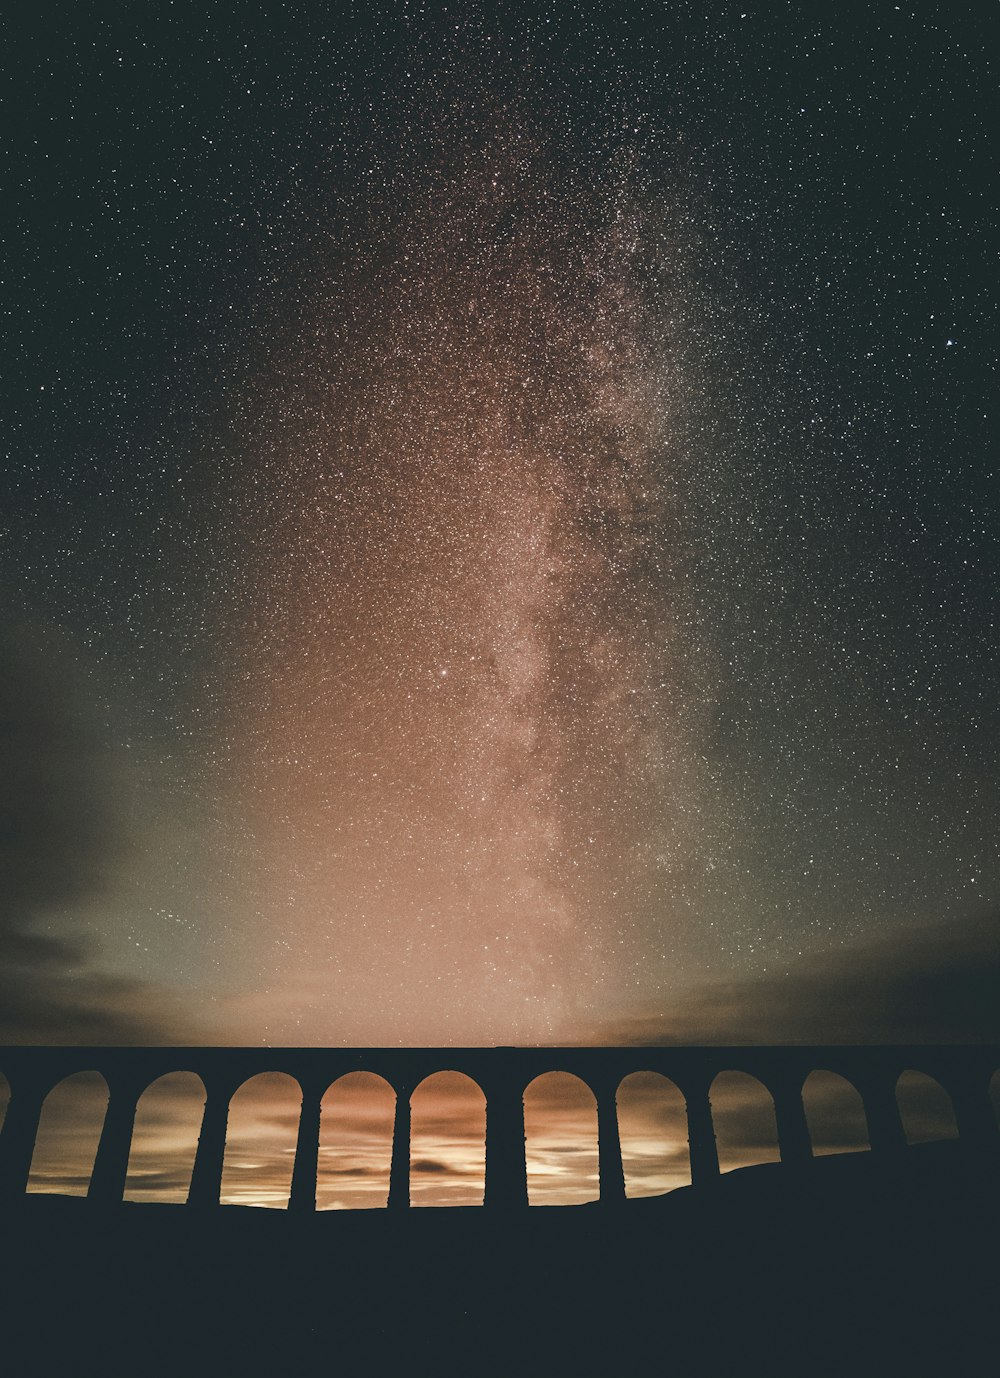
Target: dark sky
x,y
499,533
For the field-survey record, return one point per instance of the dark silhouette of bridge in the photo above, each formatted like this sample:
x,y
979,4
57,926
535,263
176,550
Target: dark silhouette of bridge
x,y
502,1074
878,1264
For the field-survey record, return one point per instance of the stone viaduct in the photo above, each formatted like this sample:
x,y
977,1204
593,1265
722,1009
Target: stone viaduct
x,y
502,1074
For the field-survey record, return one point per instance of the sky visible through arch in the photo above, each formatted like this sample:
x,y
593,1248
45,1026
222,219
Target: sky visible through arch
x,y
447,1143
499,540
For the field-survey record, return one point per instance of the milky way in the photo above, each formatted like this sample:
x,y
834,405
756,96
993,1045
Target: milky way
x,y
500,529
467,693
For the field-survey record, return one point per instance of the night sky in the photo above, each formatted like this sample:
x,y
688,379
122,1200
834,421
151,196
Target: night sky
x,y
499,533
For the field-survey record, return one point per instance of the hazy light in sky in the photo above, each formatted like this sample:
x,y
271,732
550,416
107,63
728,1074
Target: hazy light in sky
x,y
499,543
465,734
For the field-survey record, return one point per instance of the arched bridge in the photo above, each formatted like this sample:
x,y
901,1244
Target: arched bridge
x,y
502,1074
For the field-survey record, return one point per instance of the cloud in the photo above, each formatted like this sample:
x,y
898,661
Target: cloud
x,y
430,1167
61,839
934,984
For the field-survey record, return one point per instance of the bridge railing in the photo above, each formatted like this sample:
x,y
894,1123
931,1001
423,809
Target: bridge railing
x,y
502,1074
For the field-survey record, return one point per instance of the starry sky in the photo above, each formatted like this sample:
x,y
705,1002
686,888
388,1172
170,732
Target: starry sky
x,y
499,533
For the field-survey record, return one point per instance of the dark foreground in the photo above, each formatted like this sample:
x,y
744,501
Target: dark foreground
x,y
846,1269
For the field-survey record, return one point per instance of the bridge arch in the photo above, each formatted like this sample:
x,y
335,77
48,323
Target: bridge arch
x,y
925,1108
653,1131
743,1113
964,1073
835,1114
357,1115
261,1141
561,1142
69,1131
448,1141
164,1141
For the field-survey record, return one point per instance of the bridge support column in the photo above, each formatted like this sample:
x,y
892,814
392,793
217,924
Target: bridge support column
x,y
977,1123
18,1134
306,1167
701,1138
794,1140
506,1169
885,1126
107,1181
206,1177
609,1147
399,1170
